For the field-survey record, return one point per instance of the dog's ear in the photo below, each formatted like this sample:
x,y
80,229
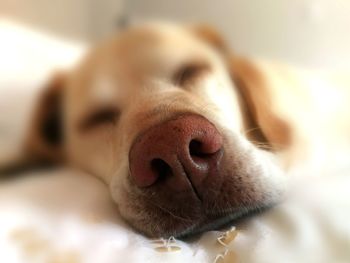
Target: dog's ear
x,y
43,141
45,135
262,123
211,36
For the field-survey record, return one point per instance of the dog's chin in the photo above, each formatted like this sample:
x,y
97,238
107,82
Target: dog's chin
x,y
222,221
175,227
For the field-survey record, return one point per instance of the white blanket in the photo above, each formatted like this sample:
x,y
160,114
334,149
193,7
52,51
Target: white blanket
x,y
66,216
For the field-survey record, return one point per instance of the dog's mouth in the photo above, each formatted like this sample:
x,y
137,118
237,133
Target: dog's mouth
x,y
186,223
222,221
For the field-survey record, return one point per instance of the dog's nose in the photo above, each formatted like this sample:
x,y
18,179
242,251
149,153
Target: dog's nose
x,y
178,153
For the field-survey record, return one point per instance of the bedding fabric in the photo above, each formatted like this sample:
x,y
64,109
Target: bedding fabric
x,y
66,216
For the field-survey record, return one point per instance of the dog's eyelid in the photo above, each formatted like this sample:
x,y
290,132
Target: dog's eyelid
x,y
190,71
100,117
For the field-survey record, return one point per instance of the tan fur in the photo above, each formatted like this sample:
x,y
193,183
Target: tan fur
x,y
48,104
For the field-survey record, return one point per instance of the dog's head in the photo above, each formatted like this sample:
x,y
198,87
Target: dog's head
x,y
155,112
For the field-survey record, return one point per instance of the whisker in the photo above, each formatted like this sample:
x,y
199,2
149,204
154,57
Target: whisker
x,y
167,211
267,146
251,130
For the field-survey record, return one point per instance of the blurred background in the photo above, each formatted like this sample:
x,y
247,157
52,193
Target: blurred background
x,y
311,33
38,37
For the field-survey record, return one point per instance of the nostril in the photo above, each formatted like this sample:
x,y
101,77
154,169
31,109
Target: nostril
x,y
161,169
203,149
196,149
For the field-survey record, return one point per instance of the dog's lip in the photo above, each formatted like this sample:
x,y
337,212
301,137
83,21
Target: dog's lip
x,y
222,220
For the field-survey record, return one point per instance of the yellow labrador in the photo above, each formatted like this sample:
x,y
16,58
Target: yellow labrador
x,y
186,135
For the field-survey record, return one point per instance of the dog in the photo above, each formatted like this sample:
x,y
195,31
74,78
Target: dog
x,y
187,135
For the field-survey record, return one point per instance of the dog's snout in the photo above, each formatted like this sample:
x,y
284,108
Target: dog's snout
x,y
177,154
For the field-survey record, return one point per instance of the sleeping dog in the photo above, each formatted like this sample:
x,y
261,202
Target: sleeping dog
x,y
187,135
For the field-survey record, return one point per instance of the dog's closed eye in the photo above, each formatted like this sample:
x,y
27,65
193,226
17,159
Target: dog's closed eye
x,y
99,118
190,72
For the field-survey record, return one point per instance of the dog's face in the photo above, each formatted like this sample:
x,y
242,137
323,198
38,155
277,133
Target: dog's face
x,y
155,114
